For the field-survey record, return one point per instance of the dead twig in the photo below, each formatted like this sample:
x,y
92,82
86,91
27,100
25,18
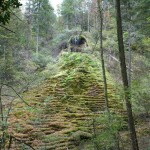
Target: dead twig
x,y
16,94
6,28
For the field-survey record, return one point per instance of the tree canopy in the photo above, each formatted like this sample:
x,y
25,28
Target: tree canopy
x,y
5,9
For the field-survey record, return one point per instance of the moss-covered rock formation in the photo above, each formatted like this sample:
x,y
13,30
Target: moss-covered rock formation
x,y
62,108
77,43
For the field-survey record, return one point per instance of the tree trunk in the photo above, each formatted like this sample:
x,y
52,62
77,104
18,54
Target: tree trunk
x,y
125,78
129,46
102,55
37,30
37,40
2,126
130,55
88,17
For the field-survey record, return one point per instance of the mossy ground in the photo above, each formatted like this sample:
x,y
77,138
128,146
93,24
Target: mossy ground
x,y
62,108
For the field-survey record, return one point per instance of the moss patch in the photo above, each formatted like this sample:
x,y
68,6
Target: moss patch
x,y
63,107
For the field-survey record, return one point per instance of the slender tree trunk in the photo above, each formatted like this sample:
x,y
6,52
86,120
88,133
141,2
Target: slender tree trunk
x,y
2,142
130,55
4,53
67,26
102,55
88,18
29,31
129,46
96,17
1,105
37,40
125,78
37,30
29,40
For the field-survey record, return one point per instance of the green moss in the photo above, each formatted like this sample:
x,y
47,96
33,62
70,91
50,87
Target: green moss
x,y
63,105
81,71
52,138
79,136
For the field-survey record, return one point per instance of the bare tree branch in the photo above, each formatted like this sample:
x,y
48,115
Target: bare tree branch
x,y
6,28
15,15
16,94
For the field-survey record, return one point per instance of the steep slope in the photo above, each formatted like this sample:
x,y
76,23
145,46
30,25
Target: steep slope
x,y
62,107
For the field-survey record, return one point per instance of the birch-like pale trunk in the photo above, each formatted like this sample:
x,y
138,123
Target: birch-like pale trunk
x,y
88,17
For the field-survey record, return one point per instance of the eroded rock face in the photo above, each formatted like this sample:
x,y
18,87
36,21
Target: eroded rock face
x,y
63,107
77,43
77,40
